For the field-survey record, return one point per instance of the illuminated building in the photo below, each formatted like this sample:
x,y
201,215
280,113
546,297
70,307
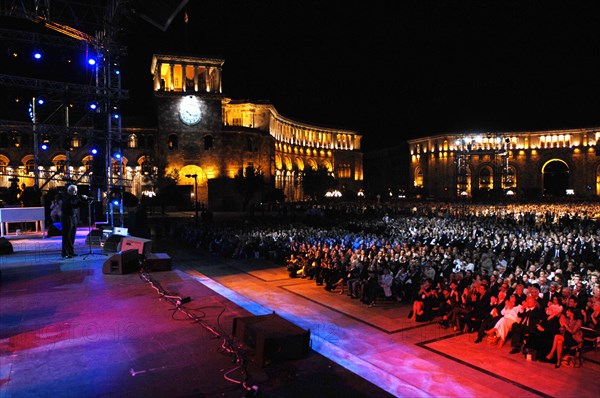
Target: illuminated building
x,y
199,131
528,165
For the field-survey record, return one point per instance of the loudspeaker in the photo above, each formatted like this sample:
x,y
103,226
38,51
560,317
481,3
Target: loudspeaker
x,y
111,244
5,246
55,229
122,263
143,246
158,262
272,337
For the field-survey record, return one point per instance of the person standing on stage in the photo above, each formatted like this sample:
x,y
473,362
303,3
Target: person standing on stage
x,y
70,219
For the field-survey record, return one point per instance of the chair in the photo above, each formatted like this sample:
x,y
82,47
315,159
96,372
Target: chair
x,y
591,336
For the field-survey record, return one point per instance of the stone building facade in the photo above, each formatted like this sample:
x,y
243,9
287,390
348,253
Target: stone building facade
x,y
529,165
201,132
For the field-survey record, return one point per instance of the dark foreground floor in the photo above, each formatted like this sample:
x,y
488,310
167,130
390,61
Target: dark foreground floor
x,y
70,330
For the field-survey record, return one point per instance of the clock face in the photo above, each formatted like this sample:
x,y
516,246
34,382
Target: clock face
x,y
189,113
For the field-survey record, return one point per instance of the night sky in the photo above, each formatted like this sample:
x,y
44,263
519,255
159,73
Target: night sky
x,y
390,70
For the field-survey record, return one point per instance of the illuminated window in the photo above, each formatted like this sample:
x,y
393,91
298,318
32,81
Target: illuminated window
x,y
344,171
418,182
132,141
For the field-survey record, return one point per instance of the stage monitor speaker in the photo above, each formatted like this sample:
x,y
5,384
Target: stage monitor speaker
x,y
5,246
122,263
111,244
272,337
158,262
143,246
55,229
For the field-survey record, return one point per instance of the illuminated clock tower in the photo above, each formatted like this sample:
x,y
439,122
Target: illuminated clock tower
x,y
193,139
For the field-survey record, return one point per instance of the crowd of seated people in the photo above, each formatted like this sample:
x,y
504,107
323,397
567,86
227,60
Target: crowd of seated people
x,y
469,265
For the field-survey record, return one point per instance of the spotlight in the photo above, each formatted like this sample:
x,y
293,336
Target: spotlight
x,y
45,144
93,106
92,61
117,154
37,55
94,151
40,101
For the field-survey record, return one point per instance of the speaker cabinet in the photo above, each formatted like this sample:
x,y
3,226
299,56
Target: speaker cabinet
x,y
143,246
158,262
111,244
122,263
272,337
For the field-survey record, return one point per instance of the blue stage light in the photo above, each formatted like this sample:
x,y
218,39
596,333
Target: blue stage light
x,y
37,54
94,151
92,61
93,106
40,101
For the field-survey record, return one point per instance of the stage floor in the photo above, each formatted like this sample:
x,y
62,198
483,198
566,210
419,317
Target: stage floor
x,y
69,330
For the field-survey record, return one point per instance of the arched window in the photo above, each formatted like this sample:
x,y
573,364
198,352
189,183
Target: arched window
x,y
510,177
59,163
30,166
486,178
172,142
75,140
418,181
15,139
87,162
132,141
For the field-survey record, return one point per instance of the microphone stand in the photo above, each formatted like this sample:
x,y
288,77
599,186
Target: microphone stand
x,y
89,237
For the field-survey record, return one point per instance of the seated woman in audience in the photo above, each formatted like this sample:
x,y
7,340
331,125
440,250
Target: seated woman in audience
x,y
510,315
591,328
423,303
542,339
469,299
570,335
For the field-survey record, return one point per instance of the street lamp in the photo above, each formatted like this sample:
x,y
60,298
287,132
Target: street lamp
x,y
195,177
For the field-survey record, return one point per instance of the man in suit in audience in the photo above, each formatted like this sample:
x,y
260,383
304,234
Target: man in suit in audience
x,y
531,315
550,294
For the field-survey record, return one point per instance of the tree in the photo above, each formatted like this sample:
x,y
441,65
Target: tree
x,y
315,183
248,182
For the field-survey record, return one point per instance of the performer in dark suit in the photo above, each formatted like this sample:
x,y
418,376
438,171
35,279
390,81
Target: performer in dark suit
x,y
70,220
531,315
